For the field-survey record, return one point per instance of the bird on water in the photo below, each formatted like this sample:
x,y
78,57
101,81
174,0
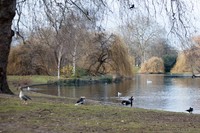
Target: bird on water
x,y
128,102
119,94
80,101
22,96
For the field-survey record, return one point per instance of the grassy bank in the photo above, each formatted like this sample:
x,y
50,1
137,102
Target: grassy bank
x,y
33,79
59,115
51,114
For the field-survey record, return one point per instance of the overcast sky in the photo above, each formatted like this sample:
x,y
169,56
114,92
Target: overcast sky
x,y
117,13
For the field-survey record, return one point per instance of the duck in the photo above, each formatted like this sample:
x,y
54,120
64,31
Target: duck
x,y
128,102
119,94
23,97
80,101
190,110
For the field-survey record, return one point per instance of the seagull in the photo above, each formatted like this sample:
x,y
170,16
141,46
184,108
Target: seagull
x,y
80,101
190,110
129,101
23,97
119,94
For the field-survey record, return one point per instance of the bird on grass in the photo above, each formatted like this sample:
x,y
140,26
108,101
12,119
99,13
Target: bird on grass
x,y
128,102
190,110
119,94
23,97
80,101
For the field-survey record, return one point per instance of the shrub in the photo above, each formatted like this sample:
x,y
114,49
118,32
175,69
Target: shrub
x,y
80,72
181,64
67,71
169,61
153,65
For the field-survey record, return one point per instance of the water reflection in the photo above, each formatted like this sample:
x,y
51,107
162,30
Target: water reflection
x,y
163,93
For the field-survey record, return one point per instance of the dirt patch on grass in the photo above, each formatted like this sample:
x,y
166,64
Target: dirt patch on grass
x,y
52,114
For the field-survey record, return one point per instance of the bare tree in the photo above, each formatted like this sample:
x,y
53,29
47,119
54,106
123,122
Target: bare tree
x,y
141,35
76,35
99,54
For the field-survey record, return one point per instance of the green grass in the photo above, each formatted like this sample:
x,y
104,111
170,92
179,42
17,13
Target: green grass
x,y
35,79
136,69
53,114
44,114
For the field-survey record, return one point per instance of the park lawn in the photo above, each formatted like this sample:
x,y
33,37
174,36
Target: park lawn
x,y
31,79
59,115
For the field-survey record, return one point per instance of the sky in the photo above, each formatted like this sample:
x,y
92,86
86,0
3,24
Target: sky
x,y
117,14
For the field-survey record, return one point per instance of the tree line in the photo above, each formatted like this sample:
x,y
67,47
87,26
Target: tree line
x,y
52,15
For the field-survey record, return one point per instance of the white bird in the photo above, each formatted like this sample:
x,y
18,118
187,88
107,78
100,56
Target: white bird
x,y
23,97
119,94
149,81
81,101
28,88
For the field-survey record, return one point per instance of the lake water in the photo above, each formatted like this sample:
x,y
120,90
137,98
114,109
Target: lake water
x,y
161,92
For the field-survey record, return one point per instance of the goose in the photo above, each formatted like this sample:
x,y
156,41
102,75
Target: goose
x,y
128,102
190,110
23,97
81,101
119,94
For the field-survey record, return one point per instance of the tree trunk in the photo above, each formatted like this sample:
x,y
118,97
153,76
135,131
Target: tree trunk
x,y
74,60
7,13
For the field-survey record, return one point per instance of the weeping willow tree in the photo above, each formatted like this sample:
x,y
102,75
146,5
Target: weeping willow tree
x,y
108,55
181,65
121,62
188,61
153,65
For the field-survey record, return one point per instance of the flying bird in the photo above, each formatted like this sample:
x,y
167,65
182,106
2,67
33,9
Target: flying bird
x,y
128,102
23,97
190,110
132,6
80,101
